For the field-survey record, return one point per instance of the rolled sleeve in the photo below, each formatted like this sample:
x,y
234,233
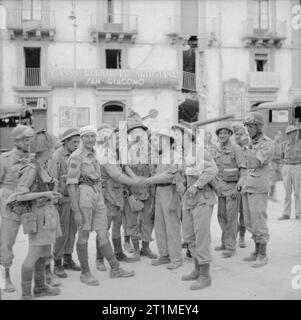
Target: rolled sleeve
x,y
73,172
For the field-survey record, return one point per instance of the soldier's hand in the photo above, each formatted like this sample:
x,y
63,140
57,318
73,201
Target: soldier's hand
x,y
52,195
192,191
78,218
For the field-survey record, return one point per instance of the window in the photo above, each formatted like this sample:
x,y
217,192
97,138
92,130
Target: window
x,y
261,62
113,59
32,66
278,116
262,14
31,9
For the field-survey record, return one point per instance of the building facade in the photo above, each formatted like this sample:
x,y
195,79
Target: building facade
x,y
73,63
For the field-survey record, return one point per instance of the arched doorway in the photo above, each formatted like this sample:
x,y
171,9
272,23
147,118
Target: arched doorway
x,y
113,112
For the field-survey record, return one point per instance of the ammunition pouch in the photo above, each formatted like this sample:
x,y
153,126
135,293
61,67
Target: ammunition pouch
x,y
29,222
230,175
135,205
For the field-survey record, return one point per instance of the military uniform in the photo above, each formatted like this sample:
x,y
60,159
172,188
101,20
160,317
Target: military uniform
x,y
168,211
197,213
84,172
229,160
57,167
10,163
255,191
291,172
42,224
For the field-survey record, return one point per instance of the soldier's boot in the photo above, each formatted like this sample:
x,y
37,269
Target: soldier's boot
x,y
116,271
241,241
9,287
262,258
228,253
136,254
127,244
146,251
120,256
204,278
26,280
194,274
69,264
58,269
86,276
254,254
51,278
41,289
161,260
284,217
220,248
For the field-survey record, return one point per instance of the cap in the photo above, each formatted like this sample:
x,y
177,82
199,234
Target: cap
x,y
290,129
72,132
86,130
224,125
254,118
22,131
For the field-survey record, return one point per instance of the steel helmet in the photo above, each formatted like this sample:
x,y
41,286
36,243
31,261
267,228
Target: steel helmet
x,y
22,131
290,129
224,125
254,118
69,133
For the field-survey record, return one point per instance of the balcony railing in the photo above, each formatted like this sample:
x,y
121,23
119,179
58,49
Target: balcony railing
x,y
29,77
189,81
120,25
264,81
30,20
264,32
200,27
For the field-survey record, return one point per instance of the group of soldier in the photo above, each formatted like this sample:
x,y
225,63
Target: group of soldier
x,y
59,191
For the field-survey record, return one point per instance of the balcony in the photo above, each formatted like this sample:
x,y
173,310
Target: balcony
x,y
30,79
260,33
204,29
263,81
115,27
189,82
36,25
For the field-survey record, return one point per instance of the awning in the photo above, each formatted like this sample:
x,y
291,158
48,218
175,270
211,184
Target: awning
x,y
275,105
13,111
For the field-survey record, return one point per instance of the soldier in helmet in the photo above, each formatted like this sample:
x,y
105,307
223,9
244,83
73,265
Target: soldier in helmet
x,y
10,163
256,187
230,161
291,173
138,145
242,140
57,167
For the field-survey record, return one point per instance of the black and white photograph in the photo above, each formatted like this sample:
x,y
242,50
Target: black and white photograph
x,y
150,150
